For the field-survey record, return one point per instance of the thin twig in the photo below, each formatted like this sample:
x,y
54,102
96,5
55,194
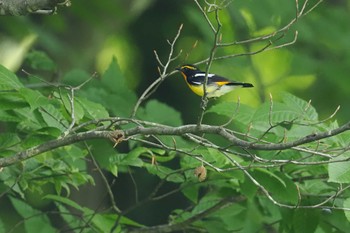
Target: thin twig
x,y
163,74
204,100
173,131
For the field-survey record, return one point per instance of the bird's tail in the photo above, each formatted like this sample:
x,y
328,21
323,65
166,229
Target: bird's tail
x,y
247,85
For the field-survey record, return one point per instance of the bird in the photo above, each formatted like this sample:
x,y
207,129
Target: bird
x,y
216,85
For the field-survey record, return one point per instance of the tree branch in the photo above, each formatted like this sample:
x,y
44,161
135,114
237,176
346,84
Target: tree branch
x,y
24,7
53,144
120,135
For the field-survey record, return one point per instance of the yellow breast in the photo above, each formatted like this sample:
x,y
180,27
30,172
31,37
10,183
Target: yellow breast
x,y
212,90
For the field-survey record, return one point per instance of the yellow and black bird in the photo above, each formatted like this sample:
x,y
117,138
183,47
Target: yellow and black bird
x,y
216,85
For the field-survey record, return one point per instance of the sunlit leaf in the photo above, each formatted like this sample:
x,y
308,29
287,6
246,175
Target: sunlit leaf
x,y
158,112
242,113
34,98
53,117
302,107
94,110
121,99
8,80
339,172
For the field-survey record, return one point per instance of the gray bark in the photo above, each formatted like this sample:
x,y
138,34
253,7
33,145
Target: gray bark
x,y
24,7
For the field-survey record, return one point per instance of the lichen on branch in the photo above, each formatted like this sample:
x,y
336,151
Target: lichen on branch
x,y
24,7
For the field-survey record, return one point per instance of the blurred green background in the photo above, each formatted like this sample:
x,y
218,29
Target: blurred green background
x,y
87,35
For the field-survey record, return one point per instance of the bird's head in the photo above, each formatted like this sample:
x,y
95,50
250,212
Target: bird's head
x,y
187,69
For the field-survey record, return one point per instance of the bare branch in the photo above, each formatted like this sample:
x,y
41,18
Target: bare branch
x,y
24,7
105,181
171,131
205,16
204,101
154,86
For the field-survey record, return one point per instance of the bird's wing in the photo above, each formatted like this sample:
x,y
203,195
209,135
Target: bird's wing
x,y
224,81
198,78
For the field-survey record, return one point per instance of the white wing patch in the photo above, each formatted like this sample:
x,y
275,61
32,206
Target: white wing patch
x,y
203,75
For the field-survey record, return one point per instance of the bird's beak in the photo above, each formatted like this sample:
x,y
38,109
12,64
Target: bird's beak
x,y
178,68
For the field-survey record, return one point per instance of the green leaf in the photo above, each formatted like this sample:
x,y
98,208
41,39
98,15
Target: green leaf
x,y
279,112
2,226
94,110
159,154
191,192
282,117
34,98
205,203
104,222
76,77
128,221
78,109
339,172
189,162
103,151
68,218
242,113
158,112
130,159
11,100
8,140
248,188
163,156
214,226
120,99
176,178
8,117
65,201
346,204
340,140
40,60
48,131
303,108
210,155
165,173
29,119
113,169
231,216
278,184
53,117
8,80
110,91
34,220
305,220
138,151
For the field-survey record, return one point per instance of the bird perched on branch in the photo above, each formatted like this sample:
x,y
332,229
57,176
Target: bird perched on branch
x,y
216,85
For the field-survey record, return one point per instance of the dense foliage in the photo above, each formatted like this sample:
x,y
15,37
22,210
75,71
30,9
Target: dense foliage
x,y
82,152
